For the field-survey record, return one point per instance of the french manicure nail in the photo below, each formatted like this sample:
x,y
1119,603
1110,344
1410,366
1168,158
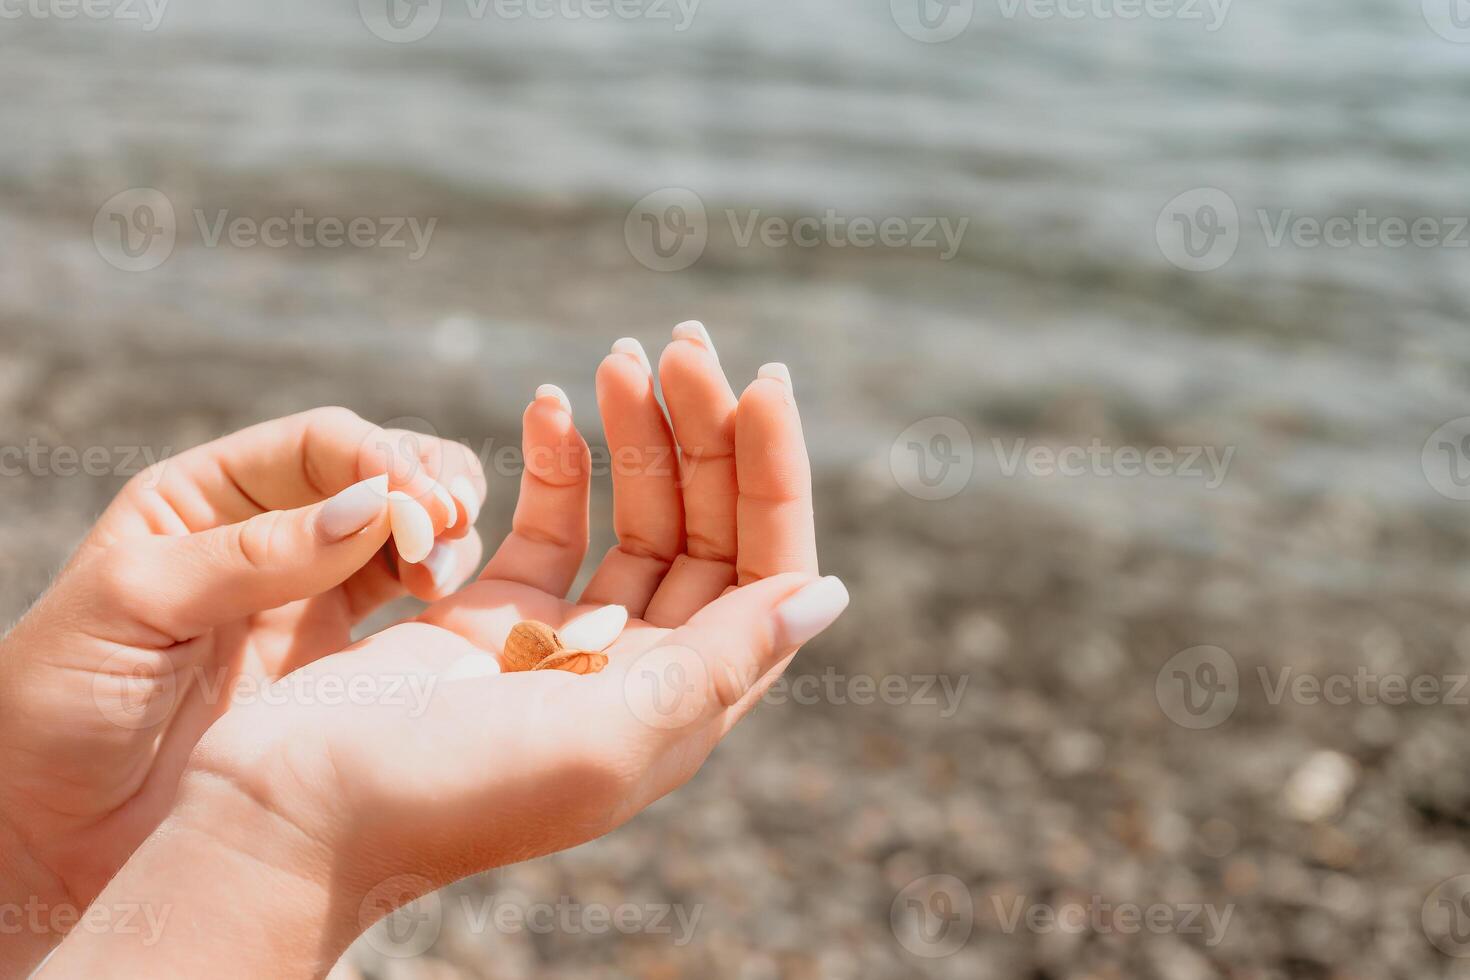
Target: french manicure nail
x,y
554,392
474,665
629,345
695,331
441,563
464,491
413,532
442,495
776,371
810,611
352,509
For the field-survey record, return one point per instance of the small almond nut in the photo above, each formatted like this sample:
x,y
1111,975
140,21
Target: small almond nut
x,y
528,645
575,661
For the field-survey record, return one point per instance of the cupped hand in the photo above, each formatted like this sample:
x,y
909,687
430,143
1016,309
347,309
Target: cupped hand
x,y
232,564
716,562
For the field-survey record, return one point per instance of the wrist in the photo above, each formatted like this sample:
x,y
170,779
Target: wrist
x,y
221,873
35,908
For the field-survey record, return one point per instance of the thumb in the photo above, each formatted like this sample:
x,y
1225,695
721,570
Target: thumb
x,y
718,661
183,586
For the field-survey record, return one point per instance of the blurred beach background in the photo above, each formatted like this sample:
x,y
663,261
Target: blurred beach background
x,y
1329,539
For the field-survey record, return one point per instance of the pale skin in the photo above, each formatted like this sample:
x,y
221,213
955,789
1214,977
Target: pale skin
x,y
284,827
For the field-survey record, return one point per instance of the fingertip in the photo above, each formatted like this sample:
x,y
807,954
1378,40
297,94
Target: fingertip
x,y
413,530
632,348
769,392
775,371
447,501
622,375
554,450
464,491
805,614
695,332
550,392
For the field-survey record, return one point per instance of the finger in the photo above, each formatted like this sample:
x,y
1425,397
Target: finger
x,y
448,565
183,586
462,475
277,465
702,409
413,463
372,586
710,664
648,511
774,519
548,536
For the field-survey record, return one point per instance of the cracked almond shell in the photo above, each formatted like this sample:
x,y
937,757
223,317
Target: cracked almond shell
x,y
529,644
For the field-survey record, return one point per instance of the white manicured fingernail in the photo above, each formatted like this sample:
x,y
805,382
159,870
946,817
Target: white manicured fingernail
x,y
596,630
810,611
442,564
776,371
474,665
552,391
413,532
352,509
695,331
464,492
630,346
444,498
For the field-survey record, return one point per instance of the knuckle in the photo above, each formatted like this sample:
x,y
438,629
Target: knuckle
x,y
257,542
730,679
147,478
333,417
469,462
119,570
124,577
